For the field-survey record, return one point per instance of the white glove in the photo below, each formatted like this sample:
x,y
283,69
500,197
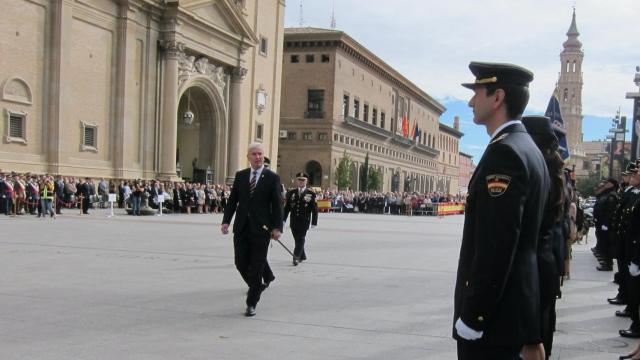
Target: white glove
x,y
604,228
313,226
634,270
466,332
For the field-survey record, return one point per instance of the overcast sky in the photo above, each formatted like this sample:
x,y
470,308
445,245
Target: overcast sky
x,y
432,42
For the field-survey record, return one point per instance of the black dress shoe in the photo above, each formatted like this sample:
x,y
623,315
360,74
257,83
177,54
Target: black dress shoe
x,y
617,301
295,262
268,281
604,267
623,313
251,310
625,357
630,334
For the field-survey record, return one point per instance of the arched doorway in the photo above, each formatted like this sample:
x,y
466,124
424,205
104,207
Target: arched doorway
x,y
196,142
314,169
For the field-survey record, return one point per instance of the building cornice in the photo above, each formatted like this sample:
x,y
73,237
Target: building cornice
x,y
451,131
388,135
309,38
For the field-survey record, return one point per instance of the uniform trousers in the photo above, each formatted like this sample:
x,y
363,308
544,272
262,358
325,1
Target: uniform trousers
x,y
623,279
473,350
633,301
250,249
299,236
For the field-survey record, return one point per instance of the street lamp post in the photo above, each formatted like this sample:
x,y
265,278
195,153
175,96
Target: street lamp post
x,y
635,128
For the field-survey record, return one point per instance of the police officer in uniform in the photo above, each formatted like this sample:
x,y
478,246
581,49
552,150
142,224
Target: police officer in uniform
x,y
603,211
301,203
619,228
497,295
630,220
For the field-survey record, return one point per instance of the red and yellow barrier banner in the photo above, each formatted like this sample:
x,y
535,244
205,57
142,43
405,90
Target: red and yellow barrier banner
x,y
324,205
450,209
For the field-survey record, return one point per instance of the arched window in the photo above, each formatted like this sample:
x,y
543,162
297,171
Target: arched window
x,y
574,66
568,68
565,96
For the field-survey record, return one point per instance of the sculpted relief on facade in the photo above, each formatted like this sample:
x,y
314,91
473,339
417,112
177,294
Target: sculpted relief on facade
x,y
190,66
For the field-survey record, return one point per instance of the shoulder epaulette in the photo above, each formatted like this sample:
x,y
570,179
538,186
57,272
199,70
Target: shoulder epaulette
x,y
501,137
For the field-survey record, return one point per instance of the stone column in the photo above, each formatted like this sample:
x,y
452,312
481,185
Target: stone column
x,y
169,100
58,90
236,145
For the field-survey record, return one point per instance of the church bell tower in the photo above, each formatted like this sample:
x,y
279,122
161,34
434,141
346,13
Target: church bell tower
x,y
570,88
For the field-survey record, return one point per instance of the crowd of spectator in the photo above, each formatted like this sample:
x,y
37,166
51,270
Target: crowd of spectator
x,y
48,195
396,203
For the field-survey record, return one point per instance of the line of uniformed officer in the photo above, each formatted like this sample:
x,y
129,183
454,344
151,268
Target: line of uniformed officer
x,y
626,238
301,203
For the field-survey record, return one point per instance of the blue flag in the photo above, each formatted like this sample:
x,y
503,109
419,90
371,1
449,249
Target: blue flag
x,y
553,113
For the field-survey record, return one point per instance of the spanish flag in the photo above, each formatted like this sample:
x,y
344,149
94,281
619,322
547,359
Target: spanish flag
x,y
405,126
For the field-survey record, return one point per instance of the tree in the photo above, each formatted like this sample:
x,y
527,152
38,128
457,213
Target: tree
x,y
586,185
364,175
343,176
375,179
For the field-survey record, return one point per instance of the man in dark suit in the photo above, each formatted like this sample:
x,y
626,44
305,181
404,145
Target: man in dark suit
x,y
497,296
256,200
84,190
301,203
58,188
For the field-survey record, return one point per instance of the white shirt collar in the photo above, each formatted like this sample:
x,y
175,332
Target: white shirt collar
x,y
258,173
501,127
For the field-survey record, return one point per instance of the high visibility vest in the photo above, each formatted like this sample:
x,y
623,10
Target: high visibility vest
x,y
47,192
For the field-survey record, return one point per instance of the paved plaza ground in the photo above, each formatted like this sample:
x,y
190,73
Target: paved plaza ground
x,y
374,287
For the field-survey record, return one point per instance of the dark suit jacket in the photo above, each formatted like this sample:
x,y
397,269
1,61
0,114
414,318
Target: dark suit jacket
x,y
497,287
303,209
263,207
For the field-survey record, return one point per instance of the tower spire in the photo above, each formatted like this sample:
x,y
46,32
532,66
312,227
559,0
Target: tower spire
x,y
572,34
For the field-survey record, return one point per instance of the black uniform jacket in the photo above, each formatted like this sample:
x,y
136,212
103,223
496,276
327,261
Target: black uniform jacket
x,y
497,287
263,208
632,233
303,209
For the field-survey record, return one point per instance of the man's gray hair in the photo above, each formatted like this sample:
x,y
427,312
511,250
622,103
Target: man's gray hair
x,y
255,145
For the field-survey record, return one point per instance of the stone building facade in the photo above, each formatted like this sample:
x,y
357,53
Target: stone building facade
x,y
139,88
338,97
466,170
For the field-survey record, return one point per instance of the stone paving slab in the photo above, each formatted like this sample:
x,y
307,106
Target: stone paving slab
x,y
374,287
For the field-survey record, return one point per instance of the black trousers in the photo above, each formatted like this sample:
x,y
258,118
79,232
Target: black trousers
x,y
623,279
299,236
86,202
472,350
250,249
633,301
58,204
604,246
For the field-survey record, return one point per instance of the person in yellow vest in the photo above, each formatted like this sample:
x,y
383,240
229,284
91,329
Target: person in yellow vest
x,y
46,198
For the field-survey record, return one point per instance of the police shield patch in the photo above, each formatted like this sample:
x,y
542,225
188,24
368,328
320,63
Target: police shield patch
x,y
498,184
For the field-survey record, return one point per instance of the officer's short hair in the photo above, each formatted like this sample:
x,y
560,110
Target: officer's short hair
x,y
516,98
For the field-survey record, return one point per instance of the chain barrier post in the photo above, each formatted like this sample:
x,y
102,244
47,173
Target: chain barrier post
x,y
112,199
160,203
